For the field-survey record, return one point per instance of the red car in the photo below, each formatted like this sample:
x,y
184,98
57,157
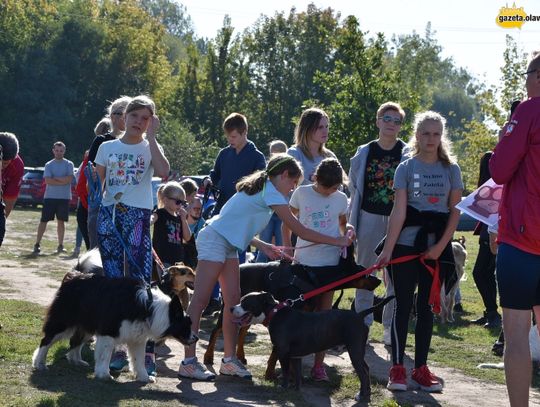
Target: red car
x,y
33,189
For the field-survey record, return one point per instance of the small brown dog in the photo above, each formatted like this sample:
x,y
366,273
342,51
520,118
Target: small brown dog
x,y
447,301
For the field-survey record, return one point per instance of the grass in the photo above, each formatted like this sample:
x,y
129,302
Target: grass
x,y
460,345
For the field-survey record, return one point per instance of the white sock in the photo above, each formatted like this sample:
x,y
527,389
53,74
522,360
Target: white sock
x,y
187,361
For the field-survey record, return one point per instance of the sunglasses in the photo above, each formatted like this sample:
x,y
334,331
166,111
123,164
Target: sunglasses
x,y
388,119
179,201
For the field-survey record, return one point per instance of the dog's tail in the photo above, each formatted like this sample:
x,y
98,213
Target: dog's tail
x,y
380,304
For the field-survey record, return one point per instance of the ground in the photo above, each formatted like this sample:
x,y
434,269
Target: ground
x,y
22,279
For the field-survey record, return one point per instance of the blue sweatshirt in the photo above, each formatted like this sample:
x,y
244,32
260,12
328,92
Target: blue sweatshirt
x,y
230,167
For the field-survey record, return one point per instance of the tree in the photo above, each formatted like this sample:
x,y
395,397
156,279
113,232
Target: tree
x,y
515,63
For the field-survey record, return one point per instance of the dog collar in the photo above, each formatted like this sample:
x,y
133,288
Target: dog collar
x,y
273,311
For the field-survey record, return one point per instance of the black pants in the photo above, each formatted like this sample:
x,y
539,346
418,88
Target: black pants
x,y
484,276
82,223
406,277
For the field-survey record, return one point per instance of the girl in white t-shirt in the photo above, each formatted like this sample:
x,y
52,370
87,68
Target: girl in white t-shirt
x,y
240,220
126,166
321,207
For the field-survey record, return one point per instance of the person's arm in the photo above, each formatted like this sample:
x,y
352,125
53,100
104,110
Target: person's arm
x,y
286,233
159,161
58,180
300,230
260,164
186,231
395,224
215,173
509,152
346,227
434,252
9,203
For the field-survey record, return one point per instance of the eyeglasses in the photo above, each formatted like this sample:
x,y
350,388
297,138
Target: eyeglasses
x,y
117,113
179,201
531,71
388,119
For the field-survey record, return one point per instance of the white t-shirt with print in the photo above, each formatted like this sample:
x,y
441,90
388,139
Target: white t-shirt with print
x,y
128,175
321,214
244,216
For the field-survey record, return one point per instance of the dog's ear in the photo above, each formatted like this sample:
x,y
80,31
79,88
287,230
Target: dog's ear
x,y
176,311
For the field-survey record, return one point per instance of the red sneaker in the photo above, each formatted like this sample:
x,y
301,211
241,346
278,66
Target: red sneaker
x,y
398,378
426,380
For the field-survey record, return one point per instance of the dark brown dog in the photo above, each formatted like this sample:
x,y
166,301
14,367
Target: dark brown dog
x,y
286,281
296,333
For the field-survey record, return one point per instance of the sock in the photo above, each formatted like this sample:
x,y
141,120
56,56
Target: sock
x,y
187,361
227,360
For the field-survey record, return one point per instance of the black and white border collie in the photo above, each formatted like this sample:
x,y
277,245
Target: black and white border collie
x,y
117,311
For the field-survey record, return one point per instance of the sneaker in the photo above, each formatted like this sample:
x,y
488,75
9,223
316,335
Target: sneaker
x,y
459,308
60,249
398,378
387,337
427,381
195,370
494,320
37,249
318,373
234,368
119,362
150,364
480,321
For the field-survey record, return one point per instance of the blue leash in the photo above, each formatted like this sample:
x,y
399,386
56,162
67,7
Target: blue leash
x,y
94,187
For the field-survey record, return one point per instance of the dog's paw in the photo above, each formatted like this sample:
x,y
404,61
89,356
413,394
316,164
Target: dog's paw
x,y
144,378
104,376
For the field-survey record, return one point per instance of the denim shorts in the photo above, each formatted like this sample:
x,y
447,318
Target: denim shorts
x,y
518,277
211,246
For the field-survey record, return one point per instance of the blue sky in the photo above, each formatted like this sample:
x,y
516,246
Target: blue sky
x,y
466,29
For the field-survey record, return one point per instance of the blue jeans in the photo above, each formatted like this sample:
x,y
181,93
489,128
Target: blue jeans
x,y
273,229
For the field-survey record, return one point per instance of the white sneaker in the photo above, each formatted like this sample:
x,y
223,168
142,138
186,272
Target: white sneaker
x,y
234,368
195,370
387,338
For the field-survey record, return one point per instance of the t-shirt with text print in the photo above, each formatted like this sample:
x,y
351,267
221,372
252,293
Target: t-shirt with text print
x,y
129,171
321,214
428,189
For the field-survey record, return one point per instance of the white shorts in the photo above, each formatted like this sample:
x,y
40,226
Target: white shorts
x,y
211,246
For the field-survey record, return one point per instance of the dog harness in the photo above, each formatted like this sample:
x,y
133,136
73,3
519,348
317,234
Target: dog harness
x,y
273,311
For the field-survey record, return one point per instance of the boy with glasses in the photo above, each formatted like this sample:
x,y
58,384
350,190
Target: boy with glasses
x,y
371,180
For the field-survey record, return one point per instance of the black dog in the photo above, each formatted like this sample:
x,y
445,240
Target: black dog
x,y
297,333
287,281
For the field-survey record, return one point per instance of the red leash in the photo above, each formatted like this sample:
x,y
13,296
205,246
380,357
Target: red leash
x,y
434,295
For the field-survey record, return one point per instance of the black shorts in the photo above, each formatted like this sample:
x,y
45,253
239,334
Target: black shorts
x,y
52,207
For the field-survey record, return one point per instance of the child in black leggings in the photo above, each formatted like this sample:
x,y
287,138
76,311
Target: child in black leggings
x,y
423,220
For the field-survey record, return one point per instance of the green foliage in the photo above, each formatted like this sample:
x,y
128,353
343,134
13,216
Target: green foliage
x,y
62,62
473,141
515,63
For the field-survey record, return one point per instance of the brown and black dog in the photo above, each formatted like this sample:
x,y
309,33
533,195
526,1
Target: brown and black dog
x,y
296,333
287,281
174,280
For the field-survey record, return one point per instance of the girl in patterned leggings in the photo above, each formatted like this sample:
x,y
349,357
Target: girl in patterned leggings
x,y
126,166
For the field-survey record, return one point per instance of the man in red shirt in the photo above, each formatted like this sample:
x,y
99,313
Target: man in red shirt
x,y
11,172
516,164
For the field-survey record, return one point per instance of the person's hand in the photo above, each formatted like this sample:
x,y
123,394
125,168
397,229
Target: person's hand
x,y
207,182
434,252
383,259
271,251
153,218
493,242
349,231
344,241
153,127
182,212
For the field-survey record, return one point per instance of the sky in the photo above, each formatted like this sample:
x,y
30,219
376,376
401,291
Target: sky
x,y
466,29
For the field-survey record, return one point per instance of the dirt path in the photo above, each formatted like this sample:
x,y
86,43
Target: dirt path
x,y
26,284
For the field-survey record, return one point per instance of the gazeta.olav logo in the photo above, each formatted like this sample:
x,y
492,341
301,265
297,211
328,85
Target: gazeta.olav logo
x,y
514,17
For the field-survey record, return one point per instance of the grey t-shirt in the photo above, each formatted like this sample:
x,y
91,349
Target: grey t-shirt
x,y
428,189
58,168
308,165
